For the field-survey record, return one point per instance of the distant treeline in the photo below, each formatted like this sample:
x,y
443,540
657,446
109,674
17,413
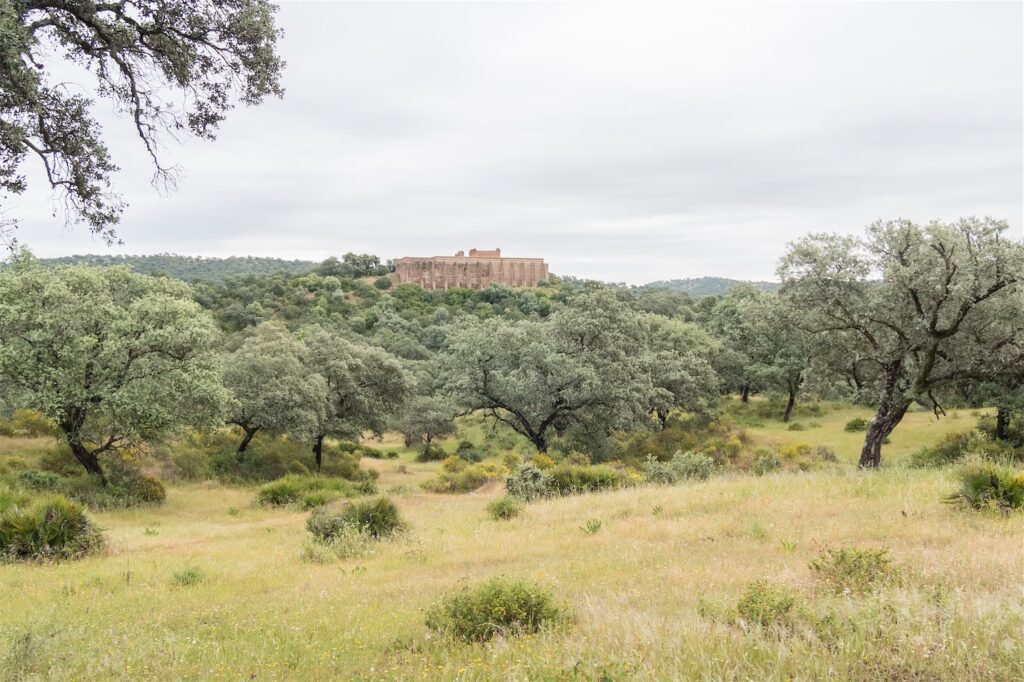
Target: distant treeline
x,y
709,286
191,268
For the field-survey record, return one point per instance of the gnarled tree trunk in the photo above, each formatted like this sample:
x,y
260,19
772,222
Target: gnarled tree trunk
x,y
1003,423
88,459
318,450
250,431
889,415
745,393
789,406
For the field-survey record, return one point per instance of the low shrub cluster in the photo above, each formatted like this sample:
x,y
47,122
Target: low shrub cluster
x,y
527,482
720,439
27,424
682,466
51,528
499,607
459,476
127,487
377,518
571,479
767,604
310,491
856,425
851,569
431,452
987,485
504,508
955,447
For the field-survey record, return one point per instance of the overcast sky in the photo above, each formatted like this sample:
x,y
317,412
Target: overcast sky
x,y
626,142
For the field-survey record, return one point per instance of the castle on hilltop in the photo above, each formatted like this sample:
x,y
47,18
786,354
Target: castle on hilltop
x,y
475,271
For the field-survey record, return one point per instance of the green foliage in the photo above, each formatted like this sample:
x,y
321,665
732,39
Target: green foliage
x,y
431,452
856,425
379,518
592,526
765,463
48,529
464,477
766,604
32,423
382,283
569,479
504,508
188,576
987,485
683,465
499,607
528,482
851,569
190,268
308,491
955,447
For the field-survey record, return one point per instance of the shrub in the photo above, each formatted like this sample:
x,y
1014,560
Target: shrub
x,y
469,452
499,606
985,485
543,462
32,423
460,477
504,508
849,569
293,489
683,465
188,576
528,482
766,604
431,453
383,282
952,447
570,479
39,481
766,463
378,518
59,460
347,542
856,425
51,529
796,426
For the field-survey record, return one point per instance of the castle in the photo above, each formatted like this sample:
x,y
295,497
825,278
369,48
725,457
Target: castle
x,y
475,271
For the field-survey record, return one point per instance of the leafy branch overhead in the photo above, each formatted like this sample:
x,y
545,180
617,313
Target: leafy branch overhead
x,y
171,66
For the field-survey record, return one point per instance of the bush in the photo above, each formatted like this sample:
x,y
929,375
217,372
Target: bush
x,y
683,465
431,453
32,423
347,542
953,447
572,479
469,452
378,518
126,488
796,426
504,508
188,576
382,282
849,569
766,462
460,477
51,529
59,460
766,604
543,462
497,607
307,490
856,425
987,485
40,481
528,482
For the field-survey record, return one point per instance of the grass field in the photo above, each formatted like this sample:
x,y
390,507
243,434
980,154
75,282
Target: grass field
x,y
211,587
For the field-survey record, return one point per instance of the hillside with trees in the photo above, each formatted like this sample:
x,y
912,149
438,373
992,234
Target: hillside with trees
x,y
709,286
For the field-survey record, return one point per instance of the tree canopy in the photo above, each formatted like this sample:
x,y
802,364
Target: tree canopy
x,y
111,356
171,66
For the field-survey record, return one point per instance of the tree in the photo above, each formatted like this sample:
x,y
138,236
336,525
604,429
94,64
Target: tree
x,y
426,418
678,357
577,367
919,303
271,387
365,386
170,65
111,356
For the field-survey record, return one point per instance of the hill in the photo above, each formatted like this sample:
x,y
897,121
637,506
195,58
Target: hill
x,y
708,286
191,268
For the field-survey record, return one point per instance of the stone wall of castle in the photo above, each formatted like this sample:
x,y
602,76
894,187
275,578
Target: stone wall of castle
x,y
475,271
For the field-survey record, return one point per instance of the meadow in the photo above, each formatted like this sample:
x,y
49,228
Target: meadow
x,y
210,586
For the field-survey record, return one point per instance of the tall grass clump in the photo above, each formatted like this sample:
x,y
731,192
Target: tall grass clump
x,y
48,529
987,485
499,607
504,508
310,491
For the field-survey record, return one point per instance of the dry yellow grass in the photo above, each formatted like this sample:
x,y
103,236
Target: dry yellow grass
x,y
650,591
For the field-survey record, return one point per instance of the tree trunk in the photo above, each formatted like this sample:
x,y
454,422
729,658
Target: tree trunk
x,y
318,450
883,423
88,459
1003,424
789,406
539,442
745,393
662,418
250,431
